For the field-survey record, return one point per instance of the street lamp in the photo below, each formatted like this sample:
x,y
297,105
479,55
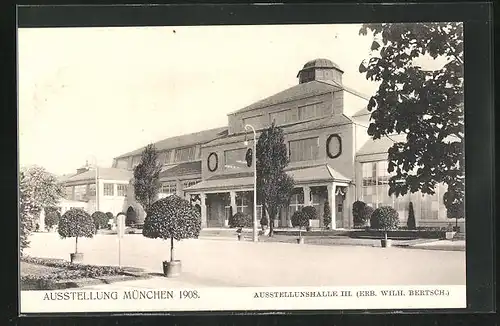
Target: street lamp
x,y
254,161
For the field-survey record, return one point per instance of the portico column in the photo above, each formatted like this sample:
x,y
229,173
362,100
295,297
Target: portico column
x,y
307,195
203,210
232,195
41,222
331,200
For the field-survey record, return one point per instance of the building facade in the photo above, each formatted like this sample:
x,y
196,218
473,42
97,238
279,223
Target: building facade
x,y
332,159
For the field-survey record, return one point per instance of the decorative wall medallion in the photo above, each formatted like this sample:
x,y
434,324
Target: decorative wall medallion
x,y
212,162
249,157
334,146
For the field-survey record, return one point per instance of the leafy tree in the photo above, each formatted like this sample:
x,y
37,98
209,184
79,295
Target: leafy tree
x,y
240,220
300,220
37,189
147,177
172,217
426,105
273,183
52,217
76,223
100,220
327,215
411,218
386,218
310,212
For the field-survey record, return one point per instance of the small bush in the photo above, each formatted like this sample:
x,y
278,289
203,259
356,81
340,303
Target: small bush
x,y
240,220
385,218
299,219
310,212
367,215
52,217
110,216
410,223
100,220
327,215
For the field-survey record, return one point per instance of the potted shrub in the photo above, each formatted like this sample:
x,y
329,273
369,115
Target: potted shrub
x,y
300,220
172,218
312,216
76,223
387,219
358,208
100,220
410,223
327,215
450,232
52,217
240,220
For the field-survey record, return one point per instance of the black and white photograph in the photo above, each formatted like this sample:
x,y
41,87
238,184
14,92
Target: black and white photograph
x,y
242,167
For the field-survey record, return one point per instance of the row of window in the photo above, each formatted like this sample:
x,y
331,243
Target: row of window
x,y
170,188
177,155
83,192
299,150
286,116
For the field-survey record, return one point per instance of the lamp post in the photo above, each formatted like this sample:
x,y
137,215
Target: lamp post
x,y
254,162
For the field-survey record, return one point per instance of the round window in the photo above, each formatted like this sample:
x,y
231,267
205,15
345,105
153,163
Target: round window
x,y
334,146
249,157
212,162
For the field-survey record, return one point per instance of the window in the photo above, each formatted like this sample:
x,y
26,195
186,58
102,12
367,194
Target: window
x,y
283,117
255,121
109,189
310,111
190,183
80,192
243,202
296,202
168,188
121,190
68,192
122,163
135,161
91,191
185,154
304,149
235,159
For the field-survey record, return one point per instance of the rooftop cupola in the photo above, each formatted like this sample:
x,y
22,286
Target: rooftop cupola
x,y
320,69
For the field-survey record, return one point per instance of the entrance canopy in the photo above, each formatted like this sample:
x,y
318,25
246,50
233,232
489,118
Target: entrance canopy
x,y
308,175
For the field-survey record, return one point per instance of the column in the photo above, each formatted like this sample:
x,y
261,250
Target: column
x,y
307,195
232,195
41,222
178,187
203,211
331,199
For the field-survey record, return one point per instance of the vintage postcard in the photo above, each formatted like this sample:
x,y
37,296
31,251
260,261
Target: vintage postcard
x,y
242,168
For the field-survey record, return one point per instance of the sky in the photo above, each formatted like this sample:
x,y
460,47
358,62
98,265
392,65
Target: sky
x,y
91,94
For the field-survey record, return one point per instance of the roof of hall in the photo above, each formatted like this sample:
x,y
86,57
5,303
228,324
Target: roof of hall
x,y
300,91
104,173
381,145
183,140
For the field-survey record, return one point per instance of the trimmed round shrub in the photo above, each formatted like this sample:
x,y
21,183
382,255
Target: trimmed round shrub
x,y
100,220
240,220
300,219
310,212
52,217
172,217
131,217
384,218
327,215
76,223
109,216
358,209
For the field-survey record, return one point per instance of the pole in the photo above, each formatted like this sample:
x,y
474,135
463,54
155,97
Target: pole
x,y
255,234
96,187
120,251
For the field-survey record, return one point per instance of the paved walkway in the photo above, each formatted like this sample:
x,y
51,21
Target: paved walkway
x,y
244,263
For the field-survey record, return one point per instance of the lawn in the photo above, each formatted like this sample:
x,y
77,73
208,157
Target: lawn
x,y
51,274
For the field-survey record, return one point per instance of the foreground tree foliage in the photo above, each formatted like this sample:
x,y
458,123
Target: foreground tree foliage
x,y
37,189
172,217
76,223
273,184
426,105
147,177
